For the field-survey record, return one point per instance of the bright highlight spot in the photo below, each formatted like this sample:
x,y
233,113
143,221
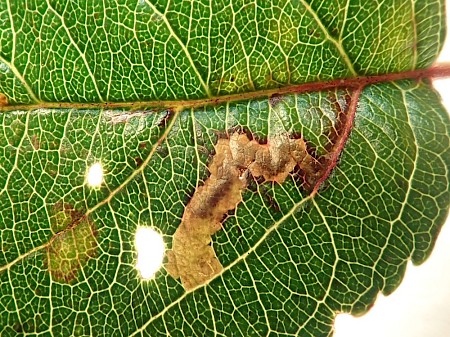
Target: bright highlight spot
x,y
95,175
150,252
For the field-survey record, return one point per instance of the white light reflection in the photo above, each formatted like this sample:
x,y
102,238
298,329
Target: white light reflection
x,y
150,252
94,175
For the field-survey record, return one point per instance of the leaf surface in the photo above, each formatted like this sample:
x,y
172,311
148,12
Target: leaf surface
x,y
338,229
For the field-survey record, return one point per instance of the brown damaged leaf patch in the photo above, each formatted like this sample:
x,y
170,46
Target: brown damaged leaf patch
x,y
3,100
236,162
73,244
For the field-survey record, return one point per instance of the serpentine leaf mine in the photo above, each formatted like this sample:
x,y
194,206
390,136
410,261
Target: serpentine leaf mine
x,y
237,160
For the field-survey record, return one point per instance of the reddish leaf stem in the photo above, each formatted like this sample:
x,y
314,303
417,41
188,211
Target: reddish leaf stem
x,y
336,152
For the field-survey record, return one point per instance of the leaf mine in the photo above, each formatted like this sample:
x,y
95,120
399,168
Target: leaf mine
x,y
236,160
239,160
3,100
73,244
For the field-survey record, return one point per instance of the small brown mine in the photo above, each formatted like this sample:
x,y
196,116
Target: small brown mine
x,y
35,142
166,118
138,161
275,99
3,99
73,244
237,158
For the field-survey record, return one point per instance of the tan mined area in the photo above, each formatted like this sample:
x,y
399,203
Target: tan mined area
x,y
192,258
73,244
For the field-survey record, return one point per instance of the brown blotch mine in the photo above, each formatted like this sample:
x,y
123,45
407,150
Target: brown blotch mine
x,y
73,244
3,100
236,160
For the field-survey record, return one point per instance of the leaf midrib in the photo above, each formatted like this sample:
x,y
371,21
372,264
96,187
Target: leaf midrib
x,y
438,71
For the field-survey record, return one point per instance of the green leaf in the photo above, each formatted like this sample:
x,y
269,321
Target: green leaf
x,y
338,190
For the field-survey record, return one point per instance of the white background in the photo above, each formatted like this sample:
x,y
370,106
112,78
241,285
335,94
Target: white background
x,y
420,307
